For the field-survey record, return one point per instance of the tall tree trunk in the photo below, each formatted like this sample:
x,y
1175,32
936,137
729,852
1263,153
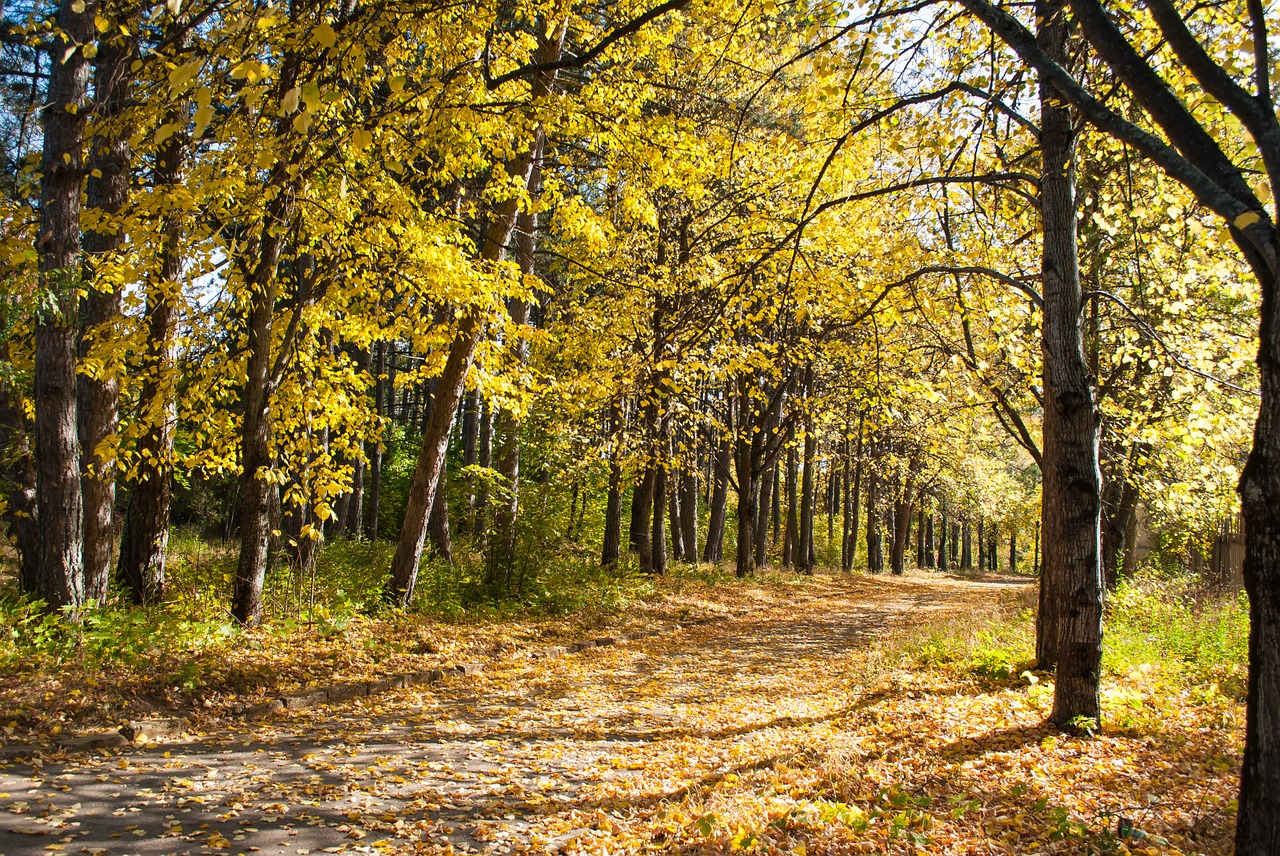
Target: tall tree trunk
x,y
58,490
642,518
639,512
262,376
1117,521
805,558
875,550
901,531
966,545
480,526
435,440
982,543
671,488
762,519
438,523
502,549
930,546
852,504
380,391
920,545
106,192
944,544
1013,550
470,449
1070,446
791,533
658,551
714,550
144,543
748,500
612,548
689,512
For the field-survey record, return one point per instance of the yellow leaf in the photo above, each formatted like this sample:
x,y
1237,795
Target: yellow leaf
x,y
289,104
325,35
1246,219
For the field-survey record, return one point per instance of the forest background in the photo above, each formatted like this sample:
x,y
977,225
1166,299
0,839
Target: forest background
x,y
319,287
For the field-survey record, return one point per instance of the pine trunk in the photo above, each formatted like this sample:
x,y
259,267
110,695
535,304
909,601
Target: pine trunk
x,y
58,490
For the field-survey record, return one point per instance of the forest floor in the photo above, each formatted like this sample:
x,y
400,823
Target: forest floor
x,y
829,724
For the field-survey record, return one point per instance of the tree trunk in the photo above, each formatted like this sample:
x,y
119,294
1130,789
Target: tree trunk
x,y
1116,526
58,489
875,552
470,449
144,543
380,389
480,526
404,567
689,513
930,545
671,489
438,523
642,518
106,192
982,543
805,558
658,551
901,531
920,545
791,533
1070,447
748,498
714,550
762,519
966,546
944,547
502,550
612,549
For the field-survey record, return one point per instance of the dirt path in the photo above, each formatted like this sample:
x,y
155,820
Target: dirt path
x,y
529,753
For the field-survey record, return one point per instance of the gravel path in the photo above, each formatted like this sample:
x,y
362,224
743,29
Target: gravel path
x,y
514,758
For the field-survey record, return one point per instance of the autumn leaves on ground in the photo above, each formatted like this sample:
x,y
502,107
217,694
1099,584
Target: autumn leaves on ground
x,y
834,714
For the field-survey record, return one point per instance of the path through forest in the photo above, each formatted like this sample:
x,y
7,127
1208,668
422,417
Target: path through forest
x,y
530,752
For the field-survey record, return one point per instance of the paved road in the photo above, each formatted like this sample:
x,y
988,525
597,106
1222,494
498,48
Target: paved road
x,y
527,752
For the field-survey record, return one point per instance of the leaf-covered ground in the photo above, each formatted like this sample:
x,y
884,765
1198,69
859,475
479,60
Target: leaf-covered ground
x,y
836,726
131,664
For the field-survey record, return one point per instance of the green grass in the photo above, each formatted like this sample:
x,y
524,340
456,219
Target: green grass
x,y
1152,623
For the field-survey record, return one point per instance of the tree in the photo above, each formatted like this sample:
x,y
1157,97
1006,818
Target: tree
x,y
1193,150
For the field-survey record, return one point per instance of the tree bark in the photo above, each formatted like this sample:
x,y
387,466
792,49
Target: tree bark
x,y
502,549
58,489
1072,480
144,544
966,546
944,546
470,449
375,448
642,518
875,550
762,518
689,512
106,192
791,531
805,558
658,550
714,549
611,551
